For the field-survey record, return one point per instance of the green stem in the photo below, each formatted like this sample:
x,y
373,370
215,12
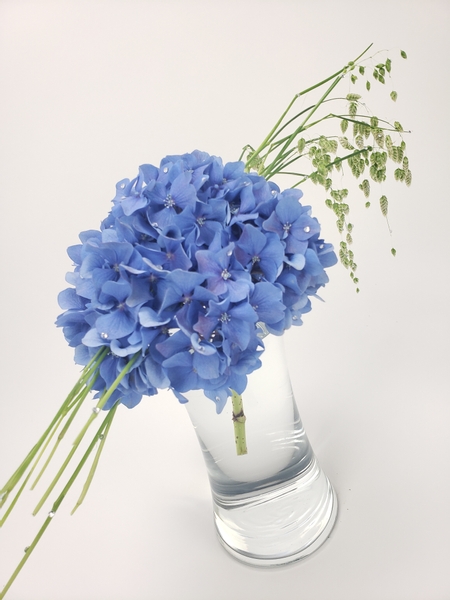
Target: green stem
x,y
298,115
87,373
55,480
271,135
350,119
331,164
57,504
101,403
270,170
273,132
341,159
277,163
239,423
14,500
94,466
61,434
285,164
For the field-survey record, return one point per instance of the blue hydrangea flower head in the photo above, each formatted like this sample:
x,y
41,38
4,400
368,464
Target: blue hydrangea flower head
x,y
193,255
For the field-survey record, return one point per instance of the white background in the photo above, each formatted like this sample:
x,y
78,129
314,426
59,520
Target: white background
x,y
90,90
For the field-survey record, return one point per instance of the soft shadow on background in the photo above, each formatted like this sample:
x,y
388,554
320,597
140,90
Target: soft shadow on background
x,y
91,90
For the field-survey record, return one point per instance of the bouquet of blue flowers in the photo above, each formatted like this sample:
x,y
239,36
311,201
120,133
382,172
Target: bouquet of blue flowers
x,y
192,256
195,259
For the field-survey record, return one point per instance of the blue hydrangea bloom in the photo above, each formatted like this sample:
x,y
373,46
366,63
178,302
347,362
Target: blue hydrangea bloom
x,y
193,254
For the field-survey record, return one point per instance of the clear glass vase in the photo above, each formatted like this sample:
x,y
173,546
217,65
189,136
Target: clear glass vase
x,y
273,505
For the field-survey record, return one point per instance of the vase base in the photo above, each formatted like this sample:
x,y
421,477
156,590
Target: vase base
x,y
279,525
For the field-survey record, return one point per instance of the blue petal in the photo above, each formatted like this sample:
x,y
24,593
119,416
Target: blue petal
x,y
150,318
124,350
68,298
92,339
182,399
202,347
219,397
156,374
296,260
115,325
207,366
131,399
120,290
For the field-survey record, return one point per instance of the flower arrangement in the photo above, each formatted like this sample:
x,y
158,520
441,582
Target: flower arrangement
x,y
192,256
194,260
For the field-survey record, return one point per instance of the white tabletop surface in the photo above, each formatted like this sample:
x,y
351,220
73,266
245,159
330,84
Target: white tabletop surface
x,y
90,90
